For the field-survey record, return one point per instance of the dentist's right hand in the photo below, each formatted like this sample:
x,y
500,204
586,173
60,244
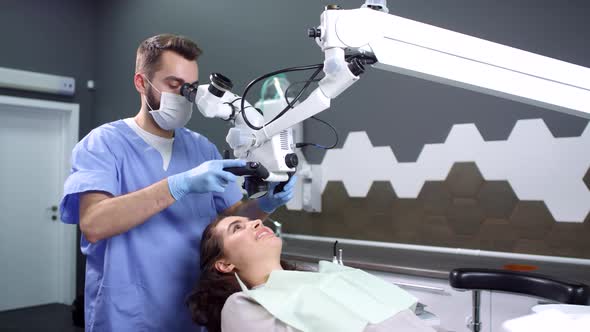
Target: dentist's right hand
x,y
207,177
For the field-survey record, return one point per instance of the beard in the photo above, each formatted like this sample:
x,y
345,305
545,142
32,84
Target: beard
x,y
151,99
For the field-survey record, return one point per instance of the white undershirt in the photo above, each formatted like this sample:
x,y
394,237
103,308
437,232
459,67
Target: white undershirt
x,y
161,144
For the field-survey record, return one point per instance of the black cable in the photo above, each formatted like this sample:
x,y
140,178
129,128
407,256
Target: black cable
x,y
292,102
293,84
302,144
318,68
362,59
233,108
233,101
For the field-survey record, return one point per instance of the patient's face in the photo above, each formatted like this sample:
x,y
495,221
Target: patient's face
x,y
248,242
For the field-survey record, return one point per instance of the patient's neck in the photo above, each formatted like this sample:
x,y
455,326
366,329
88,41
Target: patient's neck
x,y
257,274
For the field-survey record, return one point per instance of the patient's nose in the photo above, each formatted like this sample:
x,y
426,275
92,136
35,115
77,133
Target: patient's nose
x,y
256,223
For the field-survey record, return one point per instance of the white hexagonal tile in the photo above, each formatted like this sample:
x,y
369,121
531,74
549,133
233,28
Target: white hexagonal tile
x,y
537,165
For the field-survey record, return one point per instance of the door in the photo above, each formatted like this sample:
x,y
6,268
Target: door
x,y
37,251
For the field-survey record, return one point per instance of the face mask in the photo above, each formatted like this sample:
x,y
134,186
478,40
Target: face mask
x,y
174,112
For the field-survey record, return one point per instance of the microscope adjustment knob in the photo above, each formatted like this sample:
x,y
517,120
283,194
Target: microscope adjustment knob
x,y
333,7
314,32
291,160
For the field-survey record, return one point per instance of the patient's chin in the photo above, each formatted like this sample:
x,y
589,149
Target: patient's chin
x,y
277,244
272,243
275,240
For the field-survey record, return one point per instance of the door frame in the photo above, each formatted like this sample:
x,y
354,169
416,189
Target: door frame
x,y
66,235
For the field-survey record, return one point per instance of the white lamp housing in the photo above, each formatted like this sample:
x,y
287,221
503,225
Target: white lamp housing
x,y
38,82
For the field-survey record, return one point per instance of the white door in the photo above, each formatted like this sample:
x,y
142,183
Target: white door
x,y
37,251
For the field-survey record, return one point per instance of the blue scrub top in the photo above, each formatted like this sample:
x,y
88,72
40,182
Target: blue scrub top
x,y
138,280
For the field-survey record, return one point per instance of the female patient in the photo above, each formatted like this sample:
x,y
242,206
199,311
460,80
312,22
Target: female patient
x,y
235,245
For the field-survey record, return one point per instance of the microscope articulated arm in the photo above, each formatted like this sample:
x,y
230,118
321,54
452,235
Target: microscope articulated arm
x,y
416,49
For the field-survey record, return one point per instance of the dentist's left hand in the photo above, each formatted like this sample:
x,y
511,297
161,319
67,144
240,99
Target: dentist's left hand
x,y
271,201
207,177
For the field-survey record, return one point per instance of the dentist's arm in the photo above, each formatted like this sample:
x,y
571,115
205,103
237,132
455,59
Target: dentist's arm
x,y
103,216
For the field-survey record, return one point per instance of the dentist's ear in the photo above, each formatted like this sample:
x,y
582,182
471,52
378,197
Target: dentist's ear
x,y
140,83
224,267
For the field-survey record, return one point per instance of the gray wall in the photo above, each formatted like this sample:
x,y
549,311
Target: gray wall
x,y
54,37
244,39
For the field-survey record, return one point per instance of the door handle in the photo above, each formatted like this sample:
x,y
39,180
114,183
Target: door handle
x,y
53,210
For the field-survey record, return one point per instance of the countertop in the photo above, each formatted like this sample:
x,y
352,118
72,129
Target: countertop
x,y
420,263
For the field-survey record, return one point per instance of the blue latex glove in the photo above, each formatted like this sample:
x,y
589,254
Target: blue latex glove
x,y
271,201
207,177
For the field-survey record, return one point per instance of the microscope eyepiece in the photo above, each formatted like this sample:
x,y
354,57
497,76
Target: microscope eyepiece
x,y
356,66
189,91
219,84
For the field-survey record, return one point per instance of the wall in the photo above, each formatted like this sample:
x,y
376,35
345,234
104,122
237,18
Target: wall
x,y
53,37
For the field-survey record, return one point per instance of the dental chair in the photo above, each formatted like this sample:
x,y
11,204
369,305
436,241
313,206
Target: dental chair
x,y
532,284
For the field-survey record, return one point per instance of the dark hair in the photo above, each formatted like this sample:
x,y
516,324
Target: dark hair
x,y
213,287
151,49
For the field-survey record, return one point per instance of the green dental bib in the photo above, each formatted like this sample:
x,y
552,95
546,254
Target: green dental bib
x,y
336,298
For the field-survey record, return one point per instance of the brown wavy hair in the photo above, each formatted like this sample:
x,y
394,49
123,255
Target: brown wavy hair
x,y
150,51
213,287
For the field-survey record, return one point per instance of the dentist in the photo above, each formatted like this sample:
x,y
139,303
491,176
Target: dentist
x,y
142,190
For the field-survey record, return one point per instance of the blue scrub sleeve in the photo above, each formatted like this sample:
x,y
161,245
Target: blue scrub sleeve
x,y
93,169
230,196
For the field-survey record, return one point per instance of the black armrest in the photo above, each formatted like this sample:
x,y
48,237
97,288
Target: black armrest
x,y
522,283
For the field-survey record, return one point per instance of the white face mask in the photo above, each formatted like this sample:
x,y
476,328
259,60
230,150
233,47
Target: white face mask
x,y
175,111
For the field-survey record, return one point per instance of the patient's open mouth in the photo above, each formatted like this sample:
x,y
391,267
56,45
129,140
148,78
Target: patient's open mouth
x,y
264,232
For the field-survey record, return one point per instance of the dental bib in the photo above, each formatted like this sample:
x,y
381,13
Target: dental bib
x,y
336,298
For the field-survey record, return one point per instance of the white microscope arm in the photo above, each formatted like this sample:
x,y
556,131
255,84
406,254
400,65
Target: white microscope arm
x,y
427,52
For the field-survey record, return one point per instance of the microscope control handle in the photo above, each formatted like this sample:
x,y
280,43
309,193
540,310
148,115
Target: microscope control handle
x,y
281,185
251,169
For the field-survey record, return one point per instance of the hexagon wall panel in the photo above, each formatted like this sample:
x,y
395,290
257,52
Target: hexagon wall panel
x,y
490,218
536,166
587,179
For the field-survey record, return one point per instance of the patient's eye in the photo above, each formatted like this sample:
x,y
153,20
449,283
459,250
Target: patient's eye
x,y
236,227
